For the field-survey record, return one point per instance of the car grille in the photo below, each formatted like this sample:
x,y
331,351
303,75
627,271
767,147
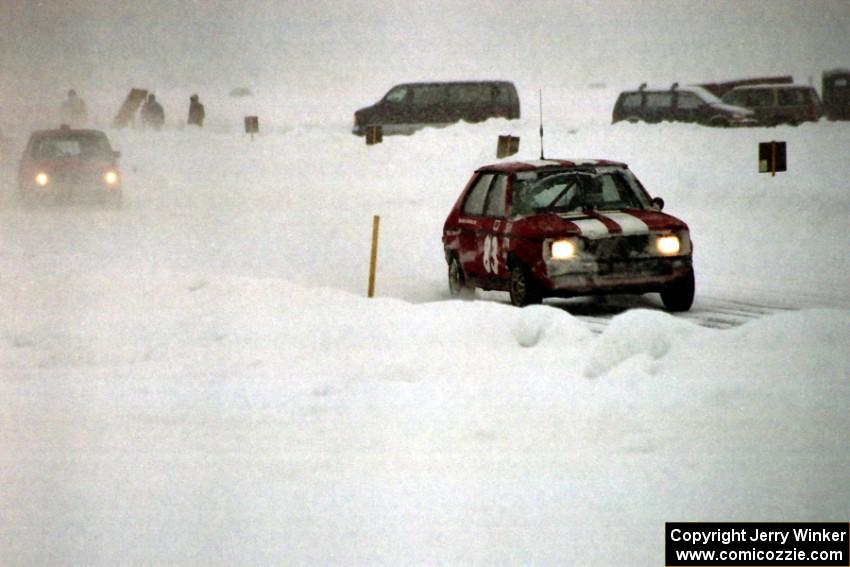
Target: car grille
x,y
618,246
73,178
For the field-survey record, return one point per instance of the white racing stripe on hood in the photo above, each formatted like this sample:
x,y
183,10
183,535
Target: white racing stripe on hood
x,y
591,228
629,223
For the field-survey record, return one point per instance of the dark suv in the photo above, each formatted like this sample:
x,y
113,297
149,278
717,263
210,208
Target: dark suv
x,y
411,106
836,94
778,104
679,104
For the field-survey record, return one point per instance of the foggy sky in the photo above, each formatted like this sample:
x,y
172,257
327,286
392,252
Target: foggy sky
x,y
50,45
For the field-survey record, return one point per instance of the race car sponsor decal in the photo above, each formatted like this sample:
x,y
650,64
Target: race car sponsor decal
x,y
629,224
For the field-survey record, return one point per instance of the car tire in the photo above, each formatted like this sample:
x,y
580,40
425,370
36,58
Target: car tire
x,y
524,289
458,287
679,295
633,119
719,122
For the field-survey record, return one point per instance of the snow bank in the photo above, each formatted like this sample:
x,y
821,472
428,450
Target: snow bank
x,y
197,377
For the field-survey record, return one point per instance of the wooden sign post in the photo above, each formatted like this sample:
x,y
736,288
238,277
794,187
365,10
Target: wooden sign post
x,y
772,157
507,146
252,126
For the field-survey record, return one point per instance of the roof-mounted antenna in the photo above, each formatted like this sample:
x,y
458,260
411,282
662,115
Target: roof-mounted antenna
x,y
541,124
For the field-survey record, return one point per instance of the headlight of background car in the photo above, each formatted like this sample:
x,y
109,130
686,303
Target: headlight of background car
x,y
668,245
110,177
41,179
563,249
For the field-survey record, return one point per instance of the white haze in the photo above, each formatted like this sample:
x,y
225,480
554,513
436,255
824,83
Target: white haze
x,y
348,53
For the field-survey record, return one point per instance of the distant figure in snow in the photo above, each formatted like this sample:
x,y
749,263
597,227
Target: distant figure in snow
x,y
152,114
196,112
74,111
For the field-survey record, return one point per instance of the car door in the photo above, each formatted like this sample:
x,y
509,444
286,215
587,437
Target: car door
x,y
688,107
429,106
395,109
481,224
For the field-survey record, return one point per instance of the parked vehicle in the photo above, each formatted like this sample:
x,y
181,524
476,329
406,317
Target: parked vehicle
x,y
411,106
720,89
778,104
562,228
678,104
836,94
69,165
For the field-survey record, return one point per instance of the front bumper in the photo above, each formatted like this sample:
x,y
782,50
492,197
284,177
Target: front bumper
x,y
592,275
61,193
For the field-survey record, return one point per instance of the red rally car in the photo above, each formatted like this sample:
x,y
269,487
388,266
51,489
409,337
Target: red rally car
x,y
564,228
69,165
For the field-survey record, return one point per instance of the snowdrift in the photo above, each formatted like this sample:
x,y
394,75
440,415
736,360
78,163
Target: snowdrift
x,y
198,378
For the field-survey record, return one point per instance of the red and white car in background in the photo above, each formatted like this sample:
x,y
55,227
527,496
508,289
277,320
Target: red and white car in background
x,y
69,165
564,228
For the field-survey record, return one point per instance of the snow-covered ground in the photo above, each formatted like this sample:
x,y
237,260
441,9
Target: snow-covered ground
x,y
198,378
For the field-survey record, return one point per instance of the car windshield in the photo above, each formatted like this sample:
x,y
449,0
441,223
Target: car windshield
x,y
611,189
72,146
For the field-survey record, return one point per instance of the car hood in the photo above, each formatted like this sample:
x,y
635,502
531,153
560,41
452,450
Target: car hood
x,y
594,225
66,165
732,108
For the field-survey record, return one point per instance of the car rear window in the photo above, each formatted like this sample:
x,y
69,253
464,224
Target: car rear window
x,y
632,100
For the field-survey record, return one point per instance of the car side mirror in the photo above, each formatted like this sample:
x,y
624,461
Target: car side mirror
x,y
658,203
116,154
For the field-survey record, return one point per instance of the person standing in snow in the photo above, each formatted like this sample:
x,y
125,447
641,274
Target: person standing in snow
x,y
196,112
152,114
74,112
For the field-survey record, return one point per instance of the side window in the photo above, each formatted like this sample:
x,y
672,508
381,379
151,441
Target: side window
x,y
689,101
632,100
736,98
474,204
470,93
790,97
761,98
397,95
501,95
659,100
495,206
428,95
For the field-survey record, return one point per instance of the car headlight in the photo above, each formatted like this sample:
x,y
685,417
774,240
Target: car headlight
x,y
110,177
42,179
563,249
668,245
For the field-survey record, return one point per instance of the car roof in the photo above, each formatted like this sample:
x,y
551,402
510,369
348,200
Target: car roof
x,y
441,83
534,165
696,89
771,86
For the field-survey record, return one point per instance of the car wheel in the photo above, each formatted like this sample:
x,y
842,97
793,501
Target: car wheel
x,y
679,295
633,119
524,289
457,281
719,122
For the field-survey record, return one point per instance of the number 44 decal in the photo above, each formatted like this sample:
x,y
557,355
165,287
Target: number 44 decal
x,y
491,254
